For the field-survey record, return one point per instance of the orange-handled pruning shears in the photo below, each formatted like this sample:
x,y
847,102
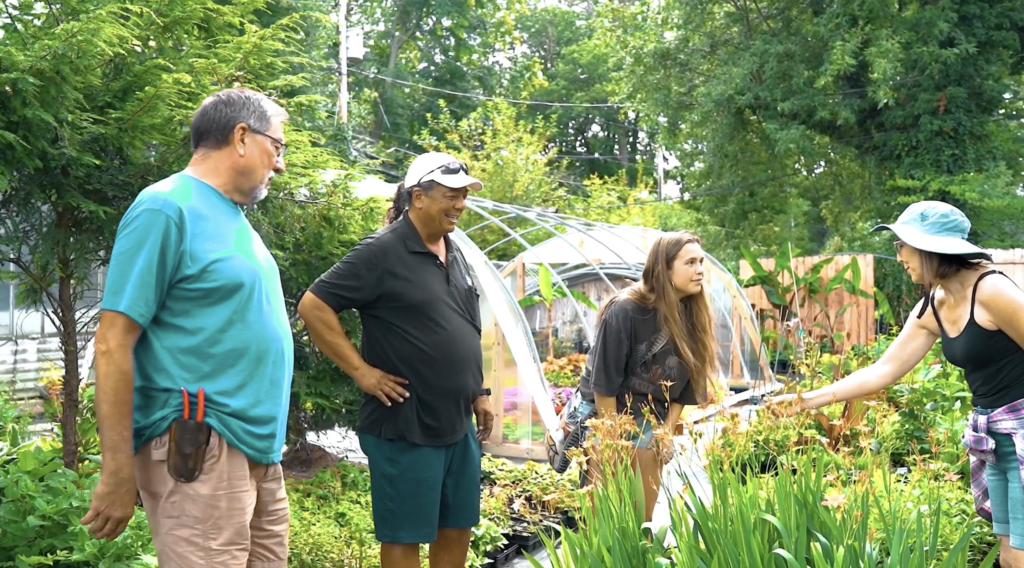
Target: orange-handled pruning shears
x,y
199,407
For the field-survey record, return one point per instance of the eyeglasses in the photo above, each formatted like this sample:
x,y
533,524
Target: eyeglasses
x,y
279,146
449,169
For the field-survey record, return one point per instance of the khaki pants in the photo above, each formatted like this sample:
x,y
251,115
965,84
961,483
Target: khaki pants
x,y
234,516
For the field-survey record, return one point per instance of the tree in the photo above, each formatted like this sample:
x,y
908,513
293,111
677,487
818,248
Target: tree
x,y
788,112
514,158
422,54
95,98
510,157
567,55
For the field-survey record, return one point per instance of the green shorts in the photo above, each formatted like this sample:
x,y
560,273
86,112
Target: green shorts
x,y
416,489
1005,489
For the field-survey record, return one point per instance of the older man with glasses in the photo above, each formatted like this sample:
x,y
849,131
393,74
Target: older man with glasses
x,y
194,353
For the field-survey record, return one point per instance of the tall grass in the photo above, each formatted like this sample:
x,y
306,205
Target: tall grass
x,y
809,513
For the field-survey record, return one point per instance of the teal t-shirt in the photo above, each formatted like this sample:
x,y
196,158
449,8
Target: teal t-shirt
x,y
190,269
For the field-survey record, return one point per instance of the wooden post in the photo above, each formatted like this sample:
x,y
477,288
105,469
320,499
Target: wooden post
x,y
498,390
520,279
519,267
498,361
736,373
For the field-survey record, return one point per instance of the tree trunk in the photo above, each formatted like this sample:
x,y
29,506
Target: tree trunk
x,y
69,347
406,23
396,43
623,146
68,328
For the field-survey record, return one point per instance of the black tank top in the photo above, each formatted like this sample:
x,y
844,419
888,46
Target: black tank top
x,y
992,361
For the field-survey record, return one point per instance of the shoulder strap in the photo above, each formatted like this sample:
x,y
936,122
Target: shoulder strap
x,y
930,299
659,341
925,304
935,312
974,292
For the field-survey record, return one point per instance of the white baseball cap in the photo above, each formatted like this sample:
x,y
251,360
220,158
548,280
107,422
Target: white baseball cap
x,y
442,168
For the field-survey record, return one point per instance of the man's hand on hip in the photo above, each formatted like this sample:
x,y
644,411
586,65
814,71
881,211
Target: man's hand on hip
x,y
113,504
484,417
386,387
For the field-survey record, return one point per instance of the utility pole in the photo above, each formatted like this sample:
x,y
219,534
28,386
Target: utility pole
x,y
660,157
343,61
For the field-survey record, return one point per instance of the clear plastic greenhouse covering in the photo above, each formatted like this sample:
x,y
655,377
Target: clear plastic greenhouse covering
x,y
508,246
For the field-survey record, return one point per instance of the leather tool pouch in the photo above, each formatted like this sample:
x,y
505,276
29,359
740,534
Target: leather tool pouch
x,y
186,450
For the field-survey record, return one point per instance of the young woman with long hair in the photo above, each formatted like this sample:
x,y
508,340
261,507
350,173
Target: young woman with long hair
x,y
654,352
978,313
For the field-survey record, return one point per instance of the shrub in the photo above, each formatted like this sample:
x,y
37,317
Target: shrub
x,y
332,520
43,502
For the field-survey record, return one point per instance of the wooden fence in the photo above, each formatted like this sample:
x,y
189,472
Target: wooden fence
x,y
857,322
1010,261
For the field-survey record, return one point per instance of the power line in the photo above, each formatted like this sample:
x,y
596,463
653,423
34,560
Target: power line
x,y
698,193
414,154
712,191
487,98
632,159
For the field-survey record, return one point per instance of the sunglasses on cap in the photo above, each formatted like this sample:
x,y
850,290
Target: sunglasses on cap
x,y
449,169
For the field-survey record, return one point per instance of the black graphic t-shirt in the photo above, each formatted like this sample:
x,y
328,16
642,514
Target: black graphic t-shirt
x,y
626,333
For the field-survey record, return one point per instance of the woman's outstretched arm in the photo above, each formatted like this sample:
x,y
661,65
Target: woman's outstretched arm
x,y
908,349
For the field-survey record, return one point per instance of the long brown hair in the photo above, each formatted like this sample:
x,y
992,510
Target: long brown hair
x,y
688,320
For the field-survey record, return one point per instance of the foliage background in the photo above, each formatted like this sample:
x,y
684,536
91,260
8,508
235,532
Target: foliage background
x,y
785,122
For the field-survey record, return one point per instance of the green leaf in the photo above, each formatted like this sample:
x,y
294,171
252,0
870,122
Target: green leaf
x,y
883,308
583,299
544,284
754,262
774,295
839,279
790,560
27,461
528,301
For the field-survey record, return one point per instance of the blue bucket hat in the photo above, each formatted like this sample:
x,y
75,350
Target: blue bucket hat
x,y
937,227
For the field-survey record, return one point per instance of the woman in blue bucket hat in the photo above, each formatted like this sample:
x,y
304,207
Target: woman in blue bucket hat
x,y
981,323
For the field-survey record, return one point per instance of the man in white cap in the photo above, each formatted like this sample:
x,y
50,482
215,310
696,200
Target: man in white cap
x,y
421,365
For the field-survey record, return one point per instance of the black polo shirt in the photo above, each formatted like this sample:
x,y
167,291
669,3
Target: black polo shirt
x,y
421,322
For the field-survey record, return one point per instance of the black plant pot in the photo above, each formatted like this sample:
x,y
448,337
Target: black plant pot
x,y
569,522
782,367
505,556
768,466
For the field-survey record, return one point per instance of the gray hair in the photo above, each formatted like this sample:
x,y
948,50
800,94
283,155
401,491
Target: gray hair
x,y
218,115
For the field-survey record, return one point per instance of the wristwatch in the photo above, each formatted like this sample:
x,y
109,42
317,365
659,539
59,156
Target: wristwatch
x,y
484,392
